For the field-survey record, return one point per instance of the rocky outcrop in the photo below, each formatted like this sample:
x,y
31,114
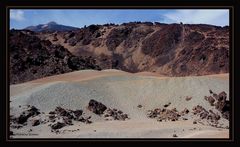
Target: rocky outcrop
x,y
220,102
30,112
32,58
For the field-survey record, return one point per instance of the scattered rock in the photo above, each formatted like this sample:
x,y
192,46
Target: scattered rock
x,y
225,115
52,112
115,114
175,135
222,104
212,118
78,113
210,99
166,105
35,122
164,114
58,125
139,106
185,111
194,122
188,98
31,111
210,91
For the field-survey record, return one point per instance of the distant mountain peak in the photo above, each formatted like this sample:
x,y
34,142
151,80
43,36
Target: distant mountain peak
x,y
50,26
52,23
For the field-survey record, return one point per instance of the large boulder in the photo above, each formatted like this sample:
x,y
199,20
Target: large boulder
x,y
96,107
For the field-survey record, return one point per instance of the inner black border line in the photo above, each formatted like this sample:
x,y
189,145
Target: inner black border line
x,y
231,75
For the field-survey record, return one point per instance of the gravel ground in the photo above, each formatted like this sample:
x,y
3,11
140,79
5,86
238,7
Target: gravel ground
x,y
124,92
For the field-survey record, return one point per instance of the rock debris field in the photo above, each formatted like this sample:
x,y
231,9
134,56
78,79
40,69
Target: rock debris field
x,y
116,104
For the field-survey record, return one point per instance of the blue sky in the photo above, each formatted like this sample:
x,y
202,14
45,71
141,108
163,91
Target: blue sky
x,y
21,18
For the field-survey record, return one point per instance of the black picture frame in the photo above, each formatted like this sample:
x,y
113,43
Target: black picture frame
x,y
232,5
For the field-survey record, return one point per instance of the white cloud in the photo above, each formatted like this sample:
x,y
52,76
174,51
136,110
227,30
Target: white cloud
x,y
203,16
17,15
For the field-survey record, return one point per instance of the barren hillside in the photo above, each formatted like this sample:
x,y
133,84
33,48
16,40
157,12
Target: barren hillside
x,y
166,49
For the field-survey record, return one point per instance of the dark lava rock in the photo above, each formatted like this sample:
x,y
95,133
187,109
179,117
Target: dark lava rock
x,y
78,113
32,111
225,115
66,117
198,109
185,111
52,112
210,91
204,114
213,116
32,58
115,114
222,96
58,125
166,105
35,122
96,107
60,111
164,114
211,100
188,98
52,117
22,119
222,104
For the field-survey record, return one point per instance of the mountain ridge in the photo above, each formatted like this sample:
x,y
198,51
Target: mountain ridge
x,y
166,49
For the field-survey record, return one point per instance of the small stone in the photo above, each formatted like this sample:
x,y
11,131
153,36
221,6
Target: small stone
x,y
194,122
166,105
210,91
35,122
175,135
106,115
188,98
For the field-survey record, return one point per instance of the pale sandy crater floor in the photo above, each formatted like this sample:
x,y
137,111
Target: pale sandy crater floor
x,y
124,91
